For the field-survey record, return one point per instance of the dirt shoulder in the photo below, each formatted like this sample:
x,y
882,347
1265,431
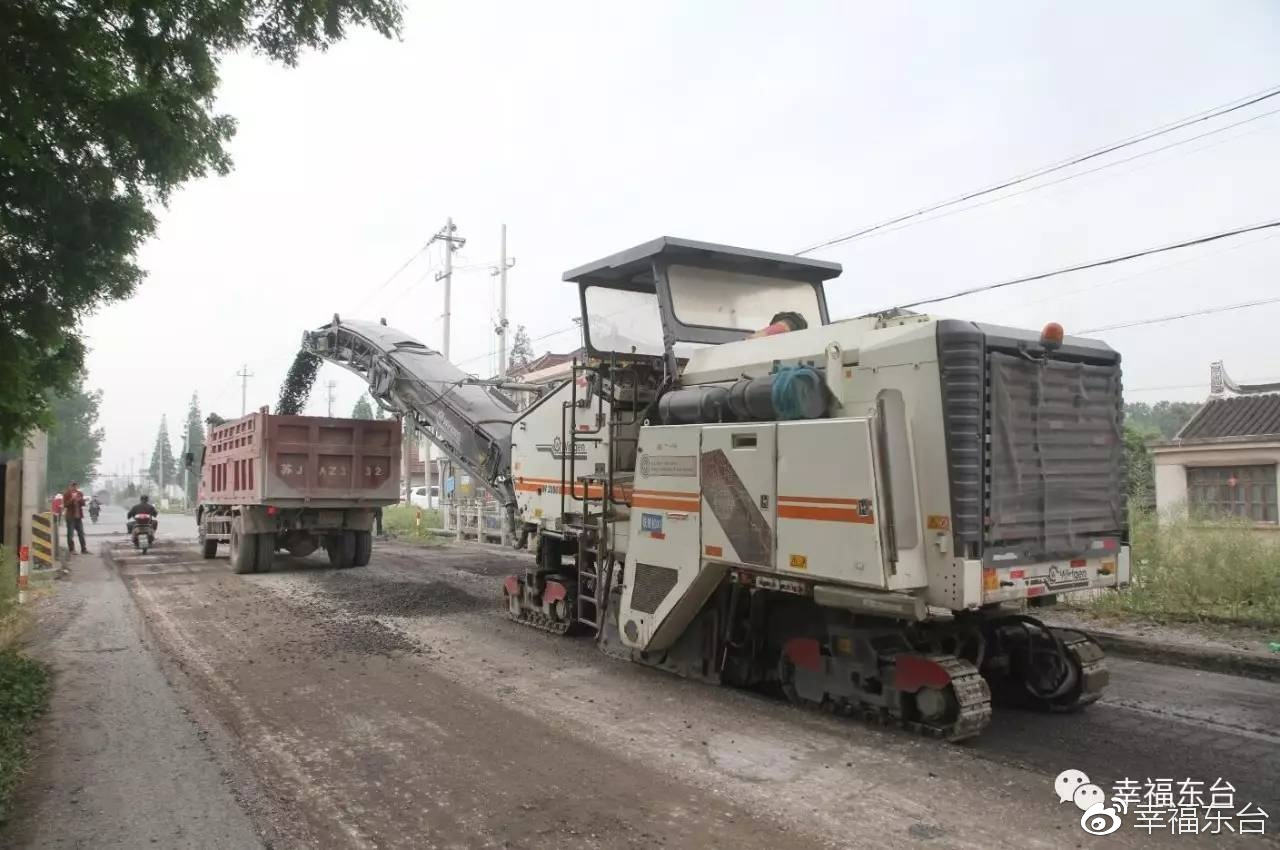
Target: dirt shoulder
x,y
117,764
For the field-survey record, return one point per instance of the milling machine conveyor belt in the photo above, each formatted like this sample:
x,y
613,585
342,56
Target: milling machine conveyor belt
x,y
469,422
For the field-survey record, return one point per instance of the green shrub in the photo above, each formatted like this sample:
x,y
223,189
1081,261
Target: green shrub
x,y
24,695
1193,568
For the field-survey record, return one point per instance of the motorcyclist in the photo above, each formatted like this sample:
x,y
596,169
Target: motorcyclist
x,y
95,507
144,506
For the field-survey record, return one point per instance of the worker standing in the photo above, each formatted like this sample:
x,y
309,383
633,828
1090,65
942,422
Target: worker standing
x,y
73,509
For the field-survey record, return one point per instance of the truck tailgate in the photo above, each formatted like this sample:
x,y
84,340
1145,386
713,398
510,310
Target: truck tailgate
x,y
317,459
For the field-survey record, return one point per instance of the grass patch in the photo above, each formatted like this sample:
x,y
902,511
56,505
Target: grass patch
x,y
24,696
400,520
1187,569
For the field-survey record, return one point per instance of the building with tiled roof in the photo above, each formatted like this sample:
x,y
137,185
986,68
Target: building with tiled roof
x,y
1226,459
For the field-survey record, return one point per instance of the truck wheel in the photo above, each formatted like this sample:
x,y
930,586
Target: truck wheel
x,y
364,548
266,551
342,549
244,549
210,548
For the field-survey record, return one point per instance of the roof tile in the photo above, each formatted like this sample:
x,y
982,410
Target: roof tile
x,y
1239,416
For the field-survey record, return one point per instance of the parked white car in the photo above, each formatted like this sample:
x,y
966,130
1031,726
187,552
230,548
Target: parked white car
x,y
420,498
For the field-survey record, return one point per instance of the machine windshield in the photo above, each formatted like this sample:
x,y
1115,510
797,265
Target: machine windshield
x,y
732,299
623,320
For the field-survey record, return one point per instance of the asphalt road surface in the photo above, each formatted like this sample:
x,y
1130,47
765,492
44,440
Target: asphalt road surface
x,y
396,706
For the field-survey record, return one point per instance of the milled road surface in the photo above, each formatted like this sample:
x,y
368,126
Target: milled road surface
x,y
396,706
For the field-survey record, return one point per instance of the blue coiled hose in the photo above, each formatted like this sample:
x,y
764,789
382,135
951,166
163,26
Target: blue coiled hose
x,y
797,393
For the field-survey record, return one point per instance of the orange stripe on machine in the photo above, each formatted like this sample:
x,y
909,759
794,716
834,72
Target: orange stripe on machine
x,y
667,503
822,500
821,514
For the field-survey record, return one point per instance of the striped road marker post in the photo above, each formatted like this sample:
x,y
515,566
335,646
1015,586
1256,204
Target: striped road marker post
x,y
42,540
24,570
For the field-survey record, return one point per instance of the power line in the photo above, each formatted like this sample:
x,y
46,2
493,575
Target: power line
x,y
1104,166
395,274
1205,312
987,287
1207,115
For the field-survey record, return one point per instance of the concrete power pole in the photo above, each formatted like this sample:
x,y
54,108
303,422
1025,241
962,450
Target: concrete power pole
x,y
501,329
244,375
451,244
332,385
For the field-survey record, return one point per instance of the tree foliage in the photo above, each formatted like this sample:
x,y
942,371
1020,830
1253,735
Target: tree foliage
x,y
1138,465
363,409
162,459
1165,418
521,349
195,442
107,107
75,440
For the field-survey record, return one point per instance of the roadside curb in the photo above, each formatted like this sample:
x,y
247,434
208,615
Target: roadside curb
x,y
1235,662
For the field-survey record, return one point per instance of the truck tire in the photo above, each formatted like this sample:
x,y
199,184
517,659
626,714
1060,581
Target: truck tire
x,y
342,549
364,548
244,549
266,551
210,548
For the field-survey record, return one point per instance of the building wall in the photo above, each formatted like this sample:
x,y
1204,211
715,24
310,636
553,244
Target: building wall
x,y
1171,463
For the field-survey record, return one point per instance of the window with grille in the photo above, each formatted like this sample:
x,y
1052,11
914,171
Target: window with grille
x,y
1243,491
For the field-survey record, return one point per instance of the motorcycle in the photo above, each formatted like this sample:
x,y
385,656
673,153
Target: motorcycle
x,y
94,511
143,532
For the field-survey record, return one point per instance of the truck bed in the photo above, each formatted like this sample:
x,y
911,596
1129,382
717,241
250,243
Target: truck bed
x,y
298,461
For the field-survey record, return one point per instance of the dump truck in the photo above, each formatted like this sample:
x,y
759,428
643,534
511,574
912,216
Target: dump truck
x,y
297,484
861,514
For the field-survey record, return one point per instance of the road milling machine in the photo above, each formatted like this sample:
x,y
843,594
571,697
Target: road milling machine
x,y
733,487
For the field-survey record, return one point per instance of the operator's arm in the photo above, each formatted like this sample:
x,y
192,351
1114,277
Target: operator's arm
x,y
133,510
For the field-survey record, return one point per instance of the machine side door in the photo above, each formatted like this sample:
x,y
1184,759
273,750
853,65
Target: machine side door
x,y
664,585
737,464
828,506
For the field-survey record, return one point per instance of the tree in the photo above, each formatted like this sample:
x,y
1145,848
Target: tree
x,y
521,349
195,442
1138,465
162,459
75,441
1165,418
363,409
105,109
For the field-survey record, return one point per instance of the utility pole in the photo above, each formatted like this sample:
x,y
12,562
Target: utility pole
x,y
185,449
501,329
332,385
244,375
451,244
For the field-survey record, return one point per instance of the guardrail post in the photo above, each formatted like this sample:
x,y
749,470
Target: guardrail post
x,y
24,570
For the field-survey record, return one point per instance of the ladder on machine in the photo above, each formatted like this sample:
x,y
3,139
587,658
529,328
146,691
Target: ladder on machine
x,y
595,545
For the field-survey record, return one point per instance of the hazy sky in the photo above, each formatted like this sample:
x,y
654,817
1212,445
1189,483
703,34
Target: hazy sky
x,y
590,127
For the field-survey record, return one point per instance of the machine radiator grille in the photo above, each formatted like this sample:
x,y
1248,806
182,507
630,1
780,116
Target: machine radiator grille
x,y
961,351
1056,456
652,586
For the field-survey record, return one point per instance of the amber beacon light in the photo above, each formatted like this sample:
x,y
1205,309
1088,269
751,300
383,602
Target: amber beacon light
x,y
1051,336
